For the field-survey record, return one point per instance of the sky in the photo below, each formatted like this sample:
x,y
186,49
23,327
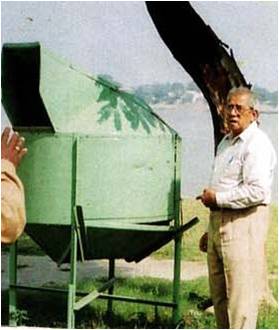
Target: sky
x,y
119,38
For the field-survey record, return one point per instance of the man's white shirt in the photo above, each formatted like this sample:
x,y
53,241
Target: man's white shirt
x,y
243,169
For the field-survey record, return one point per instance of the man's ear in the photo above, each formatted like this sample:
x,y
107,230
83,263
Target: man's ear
x,y
256,114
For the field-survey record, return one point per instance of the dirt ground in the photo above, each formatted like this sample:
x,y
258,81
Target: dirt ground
x,y
41,270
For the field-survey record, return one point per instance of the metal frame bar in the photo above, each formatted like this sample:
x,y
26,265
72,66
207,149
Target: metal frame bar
x,y
72,280
93,295
12,284
176,315
104,296
73,245
111,275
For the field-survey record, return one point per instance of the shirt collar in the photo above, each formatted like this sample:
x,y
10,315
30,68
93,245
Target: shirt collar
x,y
244,135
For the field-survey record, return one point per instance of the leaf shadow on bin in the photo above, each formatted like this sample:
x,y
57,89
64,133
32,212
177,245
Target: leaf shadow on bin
x,y
121,104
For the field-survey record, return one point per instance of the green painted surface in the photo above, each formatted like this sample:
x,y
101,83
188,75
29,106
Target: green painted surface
x,y
92,104
40,89
126,178
89,144
122,179
47,176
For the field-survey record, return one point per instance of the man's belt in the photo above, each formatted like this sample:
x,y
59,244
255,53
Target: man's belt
x,y
216,208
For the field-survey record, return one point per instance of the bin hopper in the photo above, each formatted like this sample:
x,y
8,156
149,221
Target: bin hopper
x,y
91,145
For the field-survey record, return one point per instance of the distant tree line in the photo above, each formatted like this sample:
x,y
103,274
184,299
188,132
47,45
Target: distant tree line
x,y
264,96
174,93
171,93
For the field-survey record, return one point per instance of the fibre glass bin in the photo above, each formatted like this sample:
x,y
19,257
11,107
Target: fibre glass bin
x,y
102,175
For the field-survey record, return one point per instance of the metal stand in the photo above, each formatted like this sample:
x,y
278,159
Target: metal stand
x,y
178,219
12,284
72,280
78,238
111,275
75,304
176,312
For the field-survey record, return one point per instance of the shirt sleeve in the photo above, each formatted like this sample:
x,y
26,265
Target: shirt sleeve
x,y
257,172
13,216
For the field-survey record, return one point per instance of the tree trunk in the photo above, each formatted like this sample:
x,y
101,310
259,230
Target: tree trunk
x,y
201,53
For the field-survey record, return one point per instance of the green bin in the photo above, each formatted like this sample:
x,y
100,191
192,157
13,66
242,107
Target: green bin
x,y
99,160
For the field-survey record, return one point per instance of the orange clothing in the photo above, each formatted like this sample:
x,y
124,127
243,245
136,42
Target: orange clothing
x,y
13,216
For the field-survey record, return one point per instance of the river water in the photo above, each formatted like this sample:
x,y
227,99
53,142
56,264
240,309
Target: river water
x,y
196,131
195,128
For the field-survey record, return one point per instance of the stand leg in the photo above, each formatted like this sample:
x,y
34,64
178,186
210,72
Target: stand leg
x,y
12,281
178,240
72,282
110,291
176,283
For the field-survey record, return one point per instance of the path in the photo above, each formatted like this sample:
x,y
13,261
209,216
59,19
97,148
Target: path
x,y
41,270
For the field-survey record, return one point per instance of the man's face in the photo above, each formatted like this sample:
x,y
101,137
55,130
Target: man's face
x,y
239,114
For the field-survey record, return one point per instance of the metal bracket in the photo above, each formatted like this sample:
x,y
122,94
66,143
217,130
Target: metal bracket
x,y
81,231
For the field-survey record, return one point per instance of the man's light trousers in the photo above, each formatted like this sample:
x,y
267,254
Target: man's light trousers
x,y
236,258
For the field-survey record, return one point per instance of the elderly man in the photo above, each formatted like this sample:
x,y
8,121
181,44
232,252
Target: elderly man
x,y
12,194
238,198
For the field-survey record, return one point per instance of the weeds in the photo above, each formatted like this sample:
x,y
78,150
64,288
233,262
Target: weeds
x,y
49,310
20,317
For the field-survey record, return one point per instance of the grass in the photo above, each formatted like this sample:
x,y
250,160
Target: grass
x,y
50,311
191,252
272,241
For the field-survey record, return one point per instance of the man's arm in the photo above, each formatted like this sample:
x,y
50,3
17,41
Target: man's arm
x,y
208,198
13,217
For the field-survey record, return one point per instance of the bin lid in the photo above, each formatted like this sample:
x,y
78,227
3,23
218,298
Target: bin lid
x,y
20,85
41,89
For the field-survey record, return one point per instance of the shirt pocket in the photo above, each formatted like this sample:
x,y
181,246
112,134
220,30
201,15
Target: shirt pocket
x,y
233,168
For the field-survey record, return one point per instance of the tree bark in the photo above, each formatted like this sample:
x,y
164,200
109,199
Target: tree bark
x,y
201,53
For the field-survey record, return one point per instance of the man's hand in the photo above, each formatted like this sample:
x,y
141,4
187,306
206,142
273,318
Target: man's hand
x,y
208,198
12,148
203,242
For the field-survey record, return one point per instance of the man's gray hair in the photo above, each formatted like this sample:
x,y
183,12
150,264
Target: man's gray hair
x,y
253,102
